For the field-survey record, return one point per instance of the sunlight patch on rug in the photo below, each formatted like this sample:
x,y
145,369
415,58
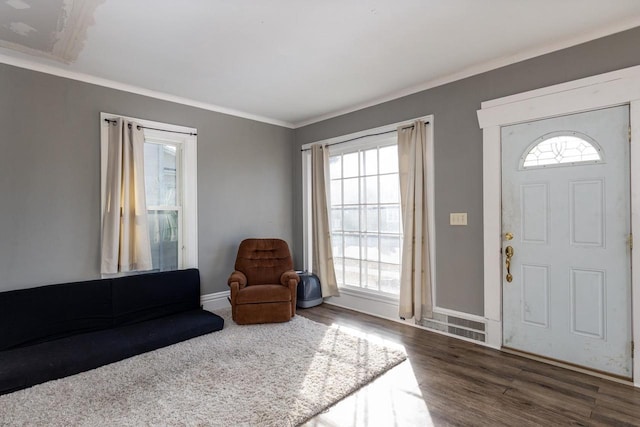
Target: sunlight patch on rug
x,y
263,375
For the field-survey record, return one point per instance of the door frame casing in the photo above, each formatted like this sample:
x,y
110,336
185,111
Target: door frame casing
x,y
601,91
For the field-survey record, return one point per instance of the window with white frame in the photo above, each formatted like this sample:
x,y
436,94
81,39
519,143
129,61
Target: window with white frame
x,y
162,170
170,170
365,215
562,149
366,229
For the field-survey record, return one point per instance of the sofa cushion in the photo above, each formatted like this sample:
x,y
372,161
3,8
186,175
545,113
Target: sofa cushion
x,y
149,296
27,366
44,313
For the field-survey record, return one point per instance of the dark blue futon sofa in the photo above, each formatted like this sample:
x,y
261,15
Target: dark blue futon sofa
x,y
51,332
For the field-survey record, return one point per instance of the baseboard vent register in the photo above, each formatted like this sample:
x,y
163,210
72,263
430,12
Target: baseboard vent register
x,y
466,328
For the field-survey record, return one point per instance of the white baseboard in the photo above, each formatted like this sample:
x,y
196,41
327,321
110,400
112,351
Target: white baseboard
x,y
494,334
215,301
461,314
387,309
373,305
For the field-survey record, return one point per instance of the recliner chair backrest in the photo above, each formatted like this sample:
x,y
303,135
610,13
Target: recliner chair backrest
x,y
263,260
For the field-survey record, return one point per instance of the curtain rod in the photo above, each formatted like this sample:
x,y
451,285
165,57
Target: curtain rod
x,y
161,130
363,136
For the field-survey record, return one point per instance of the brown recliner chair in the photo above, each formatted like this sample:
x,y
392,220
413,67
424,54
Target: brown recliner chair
x,y
264,285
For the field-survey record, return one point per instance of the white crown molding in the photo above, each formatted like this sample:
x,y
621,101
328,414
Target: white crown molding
x,y
99,81
467,72
480,68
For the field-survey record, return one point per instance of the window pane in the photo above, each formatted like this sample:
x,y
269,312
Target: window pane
x,y
390,219
336,219
562,149
335,167
350,196
390,249
336,243
352,246
350,165
336,192
352,272
339,266
389,159
372,219
390,278
163,233
371,162
371,275
350,220
372,248
370,189
160,174
389,189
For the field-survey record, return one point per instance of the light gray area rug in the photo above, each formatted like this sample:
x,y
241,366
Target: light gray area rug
x,y
256,375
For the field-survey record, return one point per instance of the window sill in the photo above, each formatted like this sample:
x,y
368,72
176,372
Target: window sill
x,y
385,306
365,294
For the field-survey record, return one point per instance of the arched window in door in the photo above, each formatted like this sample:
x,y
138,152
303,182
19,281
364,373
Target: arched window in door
x,y
563,148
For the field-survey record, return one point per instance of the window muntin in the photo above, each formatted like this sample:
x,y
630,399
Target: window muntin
x,y
366,229
561,149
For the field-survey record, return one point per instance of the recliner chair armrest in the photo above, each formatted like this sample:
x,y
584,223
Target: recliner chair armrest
x,y
238,277
291,279
289,275
233,294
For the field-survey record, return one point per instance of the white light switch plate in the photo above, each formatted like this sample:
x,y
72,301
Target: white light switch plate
x,y
458,218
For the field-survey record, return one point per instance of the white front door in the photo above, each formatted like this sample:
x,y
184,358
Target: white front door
x,y
566,224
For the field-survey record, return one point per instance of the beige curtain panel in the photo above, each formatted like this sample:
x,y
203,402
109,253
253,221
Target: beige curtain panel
x,y
415,272
125,234
321,235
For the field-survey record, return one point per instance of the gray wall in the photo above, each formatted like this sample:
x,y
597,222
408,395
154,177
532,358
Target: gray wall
x,y
50,178
458,150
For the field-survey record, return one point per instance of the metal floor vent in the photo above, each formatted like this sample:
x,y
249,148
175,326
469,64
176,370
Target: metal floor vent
x,y
456,326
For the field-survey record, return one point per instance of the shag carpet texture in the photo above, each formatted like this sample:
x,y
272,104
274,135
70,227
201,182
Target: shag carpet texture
x,y
256,375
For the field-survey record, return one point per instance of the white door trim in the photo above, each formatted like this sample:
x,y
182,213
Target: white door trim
x,y
605,90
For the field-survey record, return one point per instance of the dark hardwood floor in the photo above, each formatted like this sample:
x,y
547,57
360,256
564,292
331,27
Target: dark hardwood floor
x,y
447,381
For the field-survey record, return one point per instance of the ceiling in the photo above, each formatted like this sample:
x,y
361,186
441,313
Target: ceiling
x,y
292,62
